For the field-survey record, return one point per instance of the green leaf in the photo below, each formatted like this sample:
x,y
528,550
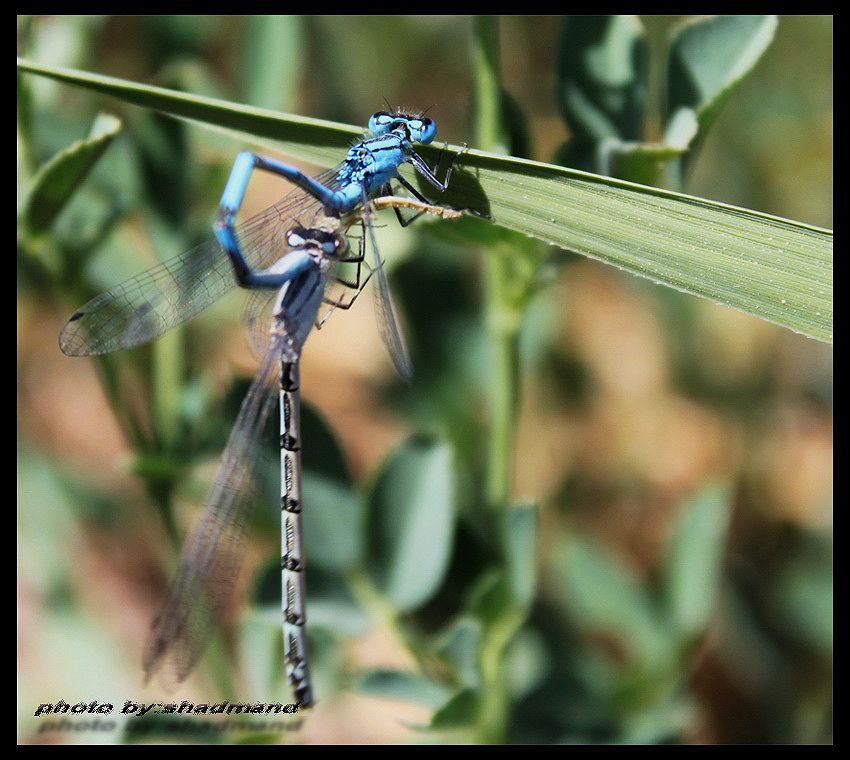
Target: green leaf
x,y
604,597
640,162
462,648
461,710
602,63
259,651
410,522
694,560
56,181
681,129
710,56
398,685
331,605
490,599
770,267
332,524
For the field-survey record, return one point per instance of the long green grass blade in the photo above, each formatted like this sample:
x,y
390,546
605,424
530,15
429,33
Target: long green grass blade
x,y
774,268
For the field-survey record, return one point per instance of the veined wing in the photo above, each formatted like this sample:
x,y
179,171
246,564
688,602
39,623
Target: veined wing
x,y
257,317
211,559
388,324
152,303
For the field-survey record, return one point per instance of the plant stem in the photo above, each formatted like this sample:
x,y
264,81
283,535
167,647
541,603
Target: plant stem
x,y
502,328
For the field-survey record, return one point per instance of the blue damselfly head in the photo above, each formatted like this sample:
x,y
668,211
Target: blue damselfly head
x,y
418,128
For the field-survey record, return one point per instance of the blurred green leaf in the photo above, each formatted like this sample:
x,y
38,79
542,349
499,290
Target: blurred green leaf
x,y
461,648
490,599
398,685
460,710
681,129
605,598
56,181
692,573
259,651
331,605
601,73
640,162
333,524
710,56
410,522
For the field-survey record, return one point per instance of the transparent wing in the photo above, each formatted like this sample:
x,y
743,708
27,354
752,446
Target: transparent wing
x,y
154,302
388,323
256,317
211,559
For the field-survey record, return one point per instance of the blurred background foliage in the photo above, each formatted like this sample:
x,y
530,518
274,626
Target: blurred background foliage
x,y
662,570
